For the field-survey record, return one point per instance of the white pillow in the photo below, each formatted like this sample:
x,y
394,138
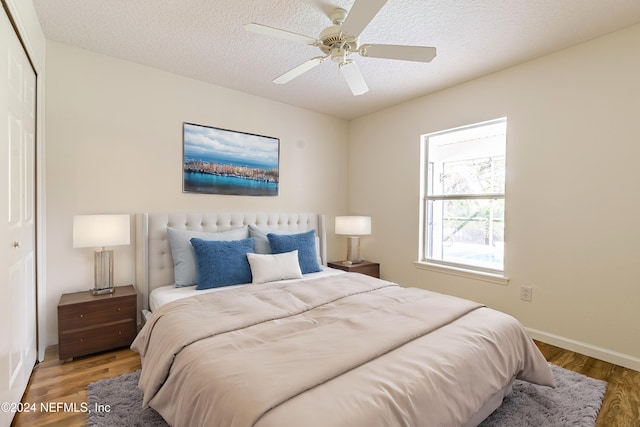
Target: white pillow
x,y
269,268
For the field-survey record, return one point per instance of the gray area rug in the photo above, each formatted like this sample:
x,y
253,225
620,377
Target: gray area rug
x,y
575,402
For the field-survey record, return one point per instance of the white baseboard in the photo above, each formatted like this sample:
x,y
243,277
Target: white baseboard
x,y
600,353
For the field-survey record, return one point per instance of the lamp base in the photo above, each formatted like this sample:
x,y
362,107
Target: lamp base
x,y
353,250
347,262
101,291
103,269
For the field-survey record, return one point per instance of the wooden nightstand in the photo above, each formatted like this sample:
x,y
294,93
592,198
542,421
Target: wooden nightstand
x,y
365,267
91,323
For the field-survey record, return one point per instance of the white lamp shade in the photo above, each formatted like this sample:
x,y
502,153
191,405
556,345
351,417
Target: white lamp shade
x,y
93,231
353,225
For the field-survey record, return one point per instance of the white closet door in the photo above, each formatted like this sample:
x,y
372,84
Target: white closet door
x,y
17,218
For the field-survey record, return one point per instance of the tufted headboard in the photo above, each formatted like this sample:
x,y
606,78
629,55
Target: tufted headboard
x,y
154,265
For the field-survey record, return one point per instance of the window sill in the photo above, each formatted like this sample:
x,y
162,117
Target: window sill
x,y
469,274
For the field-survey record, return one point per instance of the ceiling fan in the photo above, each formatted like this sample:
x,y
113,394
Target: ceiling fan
x,y
340,40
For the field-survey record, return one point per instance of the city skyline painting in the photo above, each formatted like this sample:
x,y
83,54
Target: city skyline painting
x,y
222,161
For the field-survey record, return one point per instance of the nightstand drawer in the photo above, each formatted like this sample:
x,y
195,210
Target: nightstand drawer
x,y
370,269
365,267
78,316
87,341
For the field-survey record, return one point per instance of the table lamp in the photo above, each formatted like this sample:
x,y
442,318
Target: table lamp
x,y
101,231
353,227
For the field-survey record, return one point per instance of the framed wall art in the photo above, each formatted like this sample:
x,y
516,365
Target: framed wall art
x,y
222,161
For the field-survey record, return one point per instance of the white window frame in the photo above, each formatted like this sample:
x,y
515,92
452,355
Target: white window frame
x,y
458,269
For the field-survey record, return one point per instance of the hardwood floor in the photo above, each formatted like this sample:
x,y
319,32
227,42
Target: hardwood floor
x,y
55,381
621,404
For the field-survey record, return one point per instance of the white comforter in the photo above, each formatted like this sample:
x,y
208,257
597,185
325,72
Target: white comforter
x,y
345,351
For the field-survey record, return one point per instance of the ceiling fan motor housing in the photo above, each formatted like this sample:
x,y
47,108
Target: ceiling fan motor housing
x,y
332,37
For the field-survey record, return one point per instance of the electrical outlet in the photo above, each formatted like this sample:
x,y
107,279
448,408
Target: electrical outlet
x,y
526,293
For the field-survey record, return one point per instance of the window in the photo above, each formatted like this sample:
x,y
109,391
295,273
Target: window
x,y
463,175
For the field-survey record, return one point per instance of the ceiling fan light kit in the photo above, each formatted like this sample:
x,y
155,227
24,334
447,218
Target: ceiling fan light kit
x,y
341,40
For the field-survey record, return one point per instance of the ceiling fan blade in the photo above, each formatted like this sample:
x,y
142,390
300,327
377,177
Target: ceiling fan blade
x,y
360,15
354,78
282,34
404,53
300,69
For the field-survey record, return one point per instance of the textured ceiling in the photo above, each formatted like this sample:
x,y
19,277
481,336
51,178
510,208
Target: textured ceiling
x,y
205,40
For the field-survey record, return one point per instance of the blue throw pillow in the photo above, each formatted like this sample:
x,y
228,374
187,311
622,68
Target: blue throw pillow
x,y
222,263
184,259
304,243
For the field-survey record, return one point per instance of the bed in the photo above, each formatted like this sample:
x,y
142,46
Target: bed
x,y
326,348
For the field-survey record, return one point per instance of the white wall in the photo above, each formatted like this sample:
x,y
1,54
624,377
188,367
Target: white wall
x,y
114,135
573,207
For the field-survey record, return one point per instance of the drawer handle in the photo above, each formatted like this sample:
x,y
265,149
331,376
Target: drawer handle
x,y
81,339
119,332
82,315
118,308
